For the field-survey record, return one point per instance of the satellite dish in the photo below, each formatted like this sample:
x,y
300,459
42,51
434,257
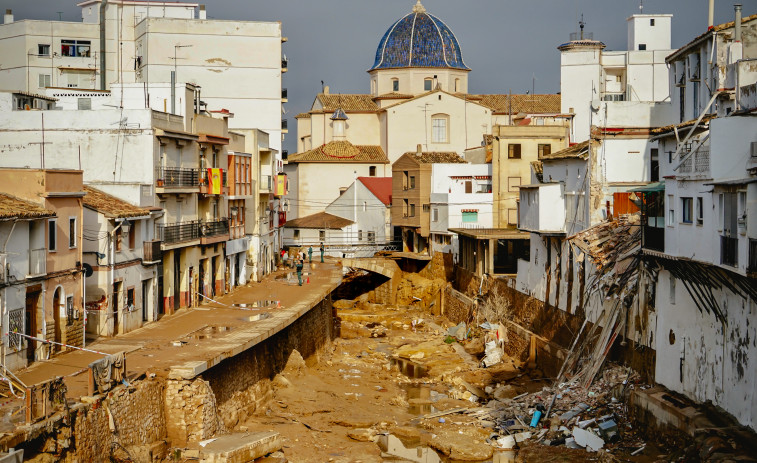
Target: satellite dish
x,y
87,270
595,105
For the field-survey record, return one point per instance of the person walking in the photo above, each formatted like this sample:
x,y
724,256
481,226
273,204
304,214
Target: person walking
x,y
299,271
285,258
310,254
322,249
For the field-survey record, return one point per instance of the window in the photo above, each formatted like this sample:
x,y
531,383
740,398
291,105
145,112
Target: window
x,y
671,211
513,151
72,232
651,22
405,180
130,299
426,208
296,234
45,81
132,236
322,235
43,50
412,181
512,216
52,229
76,48
371,237
118,239
544,150
700,211
395,85
439,128
470,216
412,210
513,184
468,186
372,171
427,83
642,46
84,103
687,210
360,235
69,310
435,214
457,85
655,165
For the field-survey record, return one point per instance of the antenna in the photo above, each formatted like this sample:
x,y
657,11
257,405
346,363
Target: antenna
x,y
641,6
581,24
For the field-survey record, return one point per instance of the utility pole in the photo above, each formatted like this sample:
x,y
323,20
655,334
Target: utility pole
x,y
174,77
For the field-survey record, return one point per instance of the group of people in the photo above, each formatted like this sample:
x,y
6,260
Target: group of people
x,y
298,261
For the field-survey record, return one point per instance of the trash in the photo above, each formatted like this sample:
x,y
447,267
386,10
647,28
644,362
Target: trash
x,y
508,442
537,415
569,415
609,431
488,326
203,443
571,443
493,354
587,439
442,420
639,450
583,424
458,331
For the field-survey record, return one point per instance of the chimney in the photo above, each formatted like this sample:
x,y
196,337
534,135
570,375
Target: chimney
x,y
325,89
419,149
711,15
202,14
8,18
737,23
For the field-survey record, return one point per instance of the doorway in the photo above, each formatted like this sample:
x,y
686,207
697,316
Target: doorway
x,y
30,322
177,279
201,285
145,298
213,275
56,317
191,286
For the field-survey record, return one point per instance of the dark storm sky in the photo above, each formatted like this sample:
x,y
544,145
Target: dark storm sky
x,y
505,42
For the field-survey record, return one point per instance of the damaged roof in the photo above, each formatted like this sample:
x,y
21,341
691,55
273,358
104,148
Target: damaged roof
x,y
437,157
705,35
110,206
671,128
578,151
12,207
319,220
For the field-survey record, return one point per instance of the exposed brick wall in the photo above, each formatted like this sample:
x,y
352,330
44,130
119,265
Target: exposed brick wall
x,y
190,411
457,306
441,266
73,333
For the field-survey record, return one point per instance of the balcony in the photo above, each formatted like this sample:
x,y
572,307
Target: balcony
x,y
542,208
284,98
178,178
151,252
214,231
179,232
37,262
266,183
697,163
729,251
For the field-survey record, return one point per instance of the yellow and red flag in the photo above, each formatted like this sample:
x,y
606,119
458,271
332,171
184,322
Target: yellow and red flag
x,y
215,181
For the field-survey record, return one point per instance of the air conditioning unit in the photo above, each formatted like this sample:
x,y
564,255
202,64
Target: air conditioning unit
x,y
754,149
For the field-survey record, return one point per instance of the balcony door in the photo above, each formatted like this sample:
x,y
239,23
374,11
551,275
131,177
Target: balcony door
x,y
729,239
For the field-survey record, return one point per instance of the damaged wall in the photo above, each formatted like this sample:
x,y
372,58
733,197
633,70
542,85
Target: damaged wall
x,y
703,358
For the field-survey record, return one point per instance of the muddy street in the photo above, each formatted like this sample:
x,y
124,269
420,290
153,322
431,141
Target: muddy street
x,y
395,386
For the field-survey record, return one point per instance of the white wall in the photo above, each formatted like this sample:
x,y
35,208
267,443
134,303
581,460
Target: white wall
x,y
371,213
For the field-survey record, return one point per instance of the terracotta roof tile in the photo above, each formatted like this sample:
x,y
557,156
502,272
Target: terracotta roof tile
x,y
393,96
437,157
319,220
342,151
579,151
669,128
111,206
348,102
534,104
12,207
302,116
381,187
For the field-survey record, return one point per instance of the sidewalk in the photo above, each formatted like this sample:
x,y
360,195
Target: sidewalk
x,y
183,345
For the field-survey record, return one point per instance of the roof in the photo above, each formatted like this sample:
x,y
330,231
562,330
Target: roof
x,y
347,102
705,35
670,128
319,220
341,151
17,208
419,39
537,167
110,206
339,115
579,150
534,104
393,96
650,188
302,116
381,187
584,43
436,157
34,95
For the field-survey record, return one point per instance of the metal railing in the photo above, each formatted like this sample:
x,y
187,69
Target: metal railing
x,y
729,251
702,161
178,232
177,177
214,228
37,261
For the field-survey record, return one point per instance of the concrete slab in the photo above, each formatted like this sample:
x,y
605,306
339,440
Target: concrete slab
x,y
240,447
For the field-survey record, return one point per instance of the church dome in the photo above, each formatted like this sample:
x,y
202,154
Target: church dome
x,y
419,39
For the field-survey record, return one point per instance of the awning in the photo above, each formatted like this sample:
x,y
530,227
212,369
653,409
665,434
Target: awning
x,y
651,188
740,181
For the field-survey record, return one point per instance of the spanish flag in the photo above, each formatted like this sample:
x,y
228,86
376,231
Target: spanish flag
x,y
215,179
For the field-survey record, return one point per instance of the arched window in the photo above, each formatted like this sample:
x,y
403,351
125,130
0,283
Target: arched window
x,y
427,83
395,85
457,85
440,128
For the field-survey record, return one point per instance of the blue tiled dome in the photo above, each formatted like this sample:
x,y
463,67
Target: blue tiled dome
x,y
419,40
